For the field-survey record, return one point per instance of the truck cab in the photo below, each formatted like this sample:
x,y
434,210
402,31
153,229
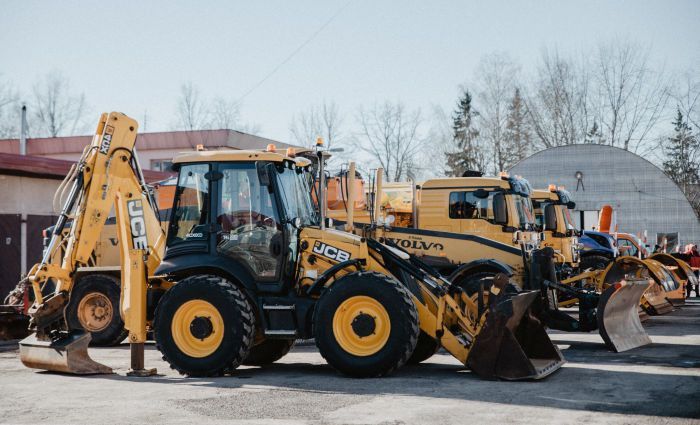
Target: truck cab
x,y
496,208
552,213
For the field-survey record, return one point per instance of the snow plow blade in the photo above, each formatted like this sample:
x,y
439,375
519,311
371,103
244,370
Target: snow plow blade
x,y
618,315
67,354
654,301
513,344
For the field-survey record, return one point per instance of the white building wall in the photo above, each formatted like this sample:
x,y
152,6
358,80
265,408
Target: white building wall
x,y
27,195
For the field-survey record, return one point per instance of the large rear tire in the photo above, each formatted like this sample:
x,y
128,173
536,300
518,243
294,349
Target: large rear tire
x,y
94,307
204,326
366,325
268,352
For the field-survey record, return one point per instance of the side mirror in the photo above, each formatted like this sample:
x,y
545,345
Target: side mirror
x,y
550,218
500,213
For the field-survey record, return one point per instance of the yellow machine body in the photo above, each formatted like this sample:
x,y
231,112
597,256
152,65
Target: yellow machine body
x,y
494,340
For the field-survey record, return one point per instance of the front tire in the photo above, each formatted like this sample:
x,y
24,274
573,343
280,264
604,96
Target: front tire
x,y
94,307
426,347
366,325
472,283
595,262
204,326
268,352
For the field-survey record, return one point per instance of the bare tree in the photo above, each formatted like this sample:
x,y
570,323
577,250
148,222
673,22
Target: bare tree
x,y
686,95
324,120
55,110
224,114
632,97
390,134
440,148
9,111
192,111
558,105
497,80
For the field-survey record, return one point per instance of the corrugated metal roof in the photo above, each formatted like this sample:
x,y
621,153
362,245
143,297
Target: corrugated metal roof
x,y
147,141
48,168
643,197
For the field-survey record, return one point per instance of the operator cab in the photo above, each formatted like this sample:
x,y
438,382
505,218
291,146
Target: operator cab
x,y
239,212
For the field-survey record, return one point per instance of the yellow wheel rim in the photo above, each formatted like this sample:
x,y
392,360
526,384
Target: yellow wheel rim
x,y
197,328
95,312
361,326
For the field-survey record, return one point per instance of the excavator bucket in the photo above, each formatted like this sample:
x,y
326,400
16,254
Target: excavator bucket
x,y
67,354
513,344
618,317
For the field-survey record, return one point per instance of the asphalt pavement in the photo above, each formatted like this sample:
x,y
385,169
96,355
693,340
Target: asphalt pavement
x,y
659,383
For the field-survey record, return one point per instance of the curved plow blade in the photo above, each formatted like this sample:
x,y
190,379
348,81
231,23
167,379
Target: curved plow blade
x,y
513,344
67,354
618,316
654,301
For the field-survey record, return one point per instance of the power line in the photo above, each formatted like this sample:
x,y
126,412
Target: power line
x,y
291,55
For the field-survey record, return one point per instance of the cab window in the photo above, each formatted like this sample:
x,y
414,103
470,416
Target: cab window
x,y
627,247
191,209
466,205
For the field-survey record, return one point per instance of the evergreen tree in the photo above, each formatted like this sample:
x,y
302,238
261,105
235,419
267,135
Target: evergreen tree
x,y
681,149
518,138
468,154
595,135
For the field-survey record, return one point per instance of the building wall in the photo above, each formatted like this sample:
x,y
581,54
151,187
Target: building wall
x,y
25,210
27,195
643,197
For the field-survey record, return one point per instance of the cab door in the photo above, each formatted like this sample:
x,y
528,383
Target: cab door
x,y
248,222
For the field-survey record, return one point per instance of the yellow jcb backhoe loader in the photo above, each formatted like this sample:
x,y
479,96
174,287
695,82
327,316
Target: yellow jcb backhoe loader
x,y
249,266
450,225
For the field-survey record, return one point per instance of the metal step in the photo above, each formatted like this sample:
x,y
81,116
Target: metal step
x,y
275,332
278,307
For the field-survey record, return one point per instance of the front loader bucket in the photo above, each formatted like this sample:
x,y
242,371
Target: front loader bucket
x,y
13,325
618,315
513,344
67,354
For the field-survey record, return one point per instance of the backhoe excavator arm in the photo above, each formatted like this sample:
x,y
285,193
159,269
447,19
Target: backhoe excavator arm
x,y
107,177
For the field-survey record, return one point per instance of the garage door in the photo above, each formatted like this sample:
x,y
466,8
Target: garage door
x,y
10,248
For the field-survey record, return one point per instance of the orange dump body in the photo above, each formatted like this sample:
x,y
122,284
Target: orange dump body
x,y
337,193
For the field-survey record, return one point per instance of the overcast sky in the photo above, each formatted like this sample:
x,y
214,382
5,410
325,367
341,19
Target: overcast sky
x,y
132,56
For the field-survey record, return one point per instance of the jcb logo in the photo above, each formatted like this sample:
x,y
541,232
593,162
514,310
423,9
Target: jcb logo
x,y
417,244
331,252
137,224
106,140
